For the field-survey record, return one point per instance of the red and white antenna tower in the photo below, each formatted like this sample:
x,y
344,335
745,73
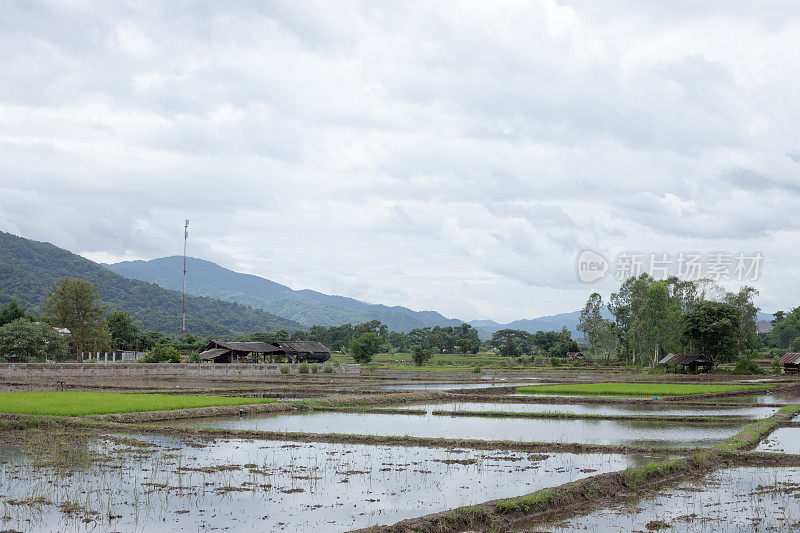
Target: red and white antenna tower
x,y
185,240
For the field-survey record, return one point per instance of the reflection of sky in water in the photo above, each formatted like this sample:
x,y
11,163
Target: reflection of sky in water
x,y
735,499
543,430
288,486
783,440
450,386
614,409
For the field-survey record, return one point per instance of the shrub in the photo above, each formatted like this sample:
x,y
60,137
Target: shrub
x,y
421,356
314,368
303,368
777,368
337,364
162,354
538,361
328,369
195,358
284,369
476,370
555,361
746,366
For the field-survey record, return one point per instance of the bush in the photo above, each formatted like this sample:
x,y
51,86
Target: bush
x,y
314,368
777,367
555,361
476,370
284,369
364,347
538,361
162,354
195,358
746,366
303,368
337,365
328,369
421,356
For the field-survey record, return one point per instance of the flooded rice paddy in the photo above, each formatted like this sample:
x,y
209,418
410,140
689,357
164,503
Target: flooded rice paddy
x,y
666,434
160,484
601,409
742,499
782,440
453,386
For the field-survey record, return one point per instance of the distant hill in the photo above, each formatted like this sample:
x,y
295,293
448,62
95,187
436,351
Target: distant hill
x,y
304,306
29,268
545,323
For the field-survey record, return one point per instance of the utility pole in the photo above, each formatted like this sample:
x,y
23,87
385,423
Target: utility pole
x,y
185,240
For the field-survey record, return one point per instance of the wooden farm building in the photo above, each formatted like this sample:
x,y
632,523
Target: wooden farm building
x,y
689,362
574,357
254,352
791,363
311,351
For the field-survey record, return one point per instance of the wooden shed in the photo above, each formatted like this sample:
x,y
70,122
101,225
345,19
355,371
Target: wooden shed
x,y
690,362
791,363
237,352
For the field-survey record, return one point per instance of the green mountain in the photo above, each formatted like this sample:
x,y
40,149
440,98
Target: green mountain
x,y
29,268
305,306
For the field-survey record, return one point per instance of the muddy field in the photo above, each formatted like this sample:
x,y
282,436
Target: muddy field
x,y
406,453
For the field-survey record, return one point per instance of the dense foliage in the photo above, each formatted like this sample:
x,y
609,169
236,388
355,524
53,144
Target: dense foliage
x,y
653,318
23,341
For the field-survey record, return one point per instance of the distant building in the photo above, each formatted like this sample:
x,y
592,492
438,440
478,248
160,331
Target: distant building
x,y
253,352
575,356
791,363
764,326
689,362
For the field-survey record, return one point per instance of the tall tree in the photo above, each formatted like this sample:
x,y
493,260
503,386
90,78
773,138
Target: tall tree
x,y
744,301
591,320
661,320
713,328
73,304
512,342
122,329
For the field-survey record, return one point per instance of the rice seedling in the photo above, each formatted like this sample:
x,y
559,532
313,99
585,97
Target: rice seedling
x,y
73,403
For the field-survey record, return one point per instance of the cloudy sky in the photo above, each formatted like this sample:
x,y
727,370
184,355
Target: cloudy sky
x,y
455,156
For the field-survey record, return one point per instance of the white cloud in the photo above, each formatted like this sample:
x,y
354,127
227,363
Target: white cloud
x,y
451,156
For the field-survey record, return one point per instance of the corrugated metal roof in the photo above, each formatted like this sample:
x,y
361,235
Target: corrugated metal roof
x,y
302,346
791,358
683,359
213,353
257,347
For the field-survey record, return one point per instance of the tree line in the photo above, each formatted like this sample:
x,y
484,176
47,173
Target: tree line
x,y
650,318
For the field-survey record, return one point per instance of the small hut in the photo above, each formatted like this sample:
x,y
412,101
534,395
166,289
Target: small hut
x,y
689,362
791,363
237,352
575,357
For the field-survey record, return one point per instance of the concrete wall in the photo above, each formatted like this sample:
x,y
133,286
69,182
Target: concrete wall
x,y
142,370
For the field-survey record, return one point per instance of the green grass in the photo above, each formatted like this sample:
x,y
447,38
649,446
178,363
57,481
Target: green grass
x,y
100,403
636,389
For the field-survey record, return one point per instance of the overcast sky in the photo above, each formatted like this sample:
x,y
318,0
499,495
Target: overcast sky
x,y
454,156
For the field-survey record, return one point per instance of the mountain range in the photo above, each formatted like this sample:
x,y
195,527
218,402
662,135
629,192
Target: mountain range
x,y
221,302
308,307
29,268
